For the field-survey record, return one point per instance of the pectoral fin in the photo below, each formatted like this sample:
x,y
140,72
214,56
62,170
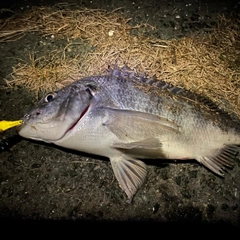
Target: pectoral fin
x,y
128,124
130,174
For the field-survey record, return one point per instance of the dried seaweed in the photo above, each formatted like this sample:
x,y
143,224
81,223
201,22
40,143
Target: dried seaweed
x,y
207,64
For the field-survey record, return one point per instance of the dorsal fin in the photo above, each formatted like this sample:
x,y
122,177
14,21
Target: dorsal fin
x,y
128,73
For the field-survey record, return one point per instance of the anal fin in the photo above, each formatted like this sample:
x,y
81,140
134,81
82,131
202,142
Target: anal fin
x,y
130,174
224,158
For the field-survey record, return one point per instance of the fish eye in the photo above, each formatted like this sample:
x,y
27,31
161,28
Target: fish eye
x,y
49,97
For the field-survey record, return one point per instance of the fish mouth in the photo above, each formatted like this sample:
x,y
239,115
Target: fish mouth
x,y
35,132
20,127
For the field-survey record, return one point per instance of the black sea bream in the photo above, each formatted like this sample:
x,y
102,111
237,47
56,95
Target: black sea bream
x,y
128,118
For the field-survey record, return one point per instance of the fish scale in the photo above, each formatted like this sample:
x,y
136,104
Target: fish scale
x,y
128,118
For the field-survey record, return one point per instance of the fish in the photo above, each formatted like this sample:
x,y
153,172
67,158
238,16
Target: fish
x,y
128,117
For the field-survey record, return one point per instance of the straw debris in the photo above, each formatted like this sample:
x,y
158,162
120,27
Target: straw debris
x,y
206,64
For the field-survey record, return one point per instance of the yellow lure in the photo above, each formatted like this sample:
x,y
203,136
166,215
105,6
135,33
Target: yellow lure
x,y
4,125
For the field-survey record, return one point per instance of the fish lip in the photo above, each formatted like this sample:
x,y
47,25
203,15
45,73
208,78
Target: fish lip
x,y
24,119
18,128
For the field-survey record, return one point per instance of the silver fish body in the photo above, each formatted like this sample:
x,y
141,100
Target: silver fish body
x,y
128,118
